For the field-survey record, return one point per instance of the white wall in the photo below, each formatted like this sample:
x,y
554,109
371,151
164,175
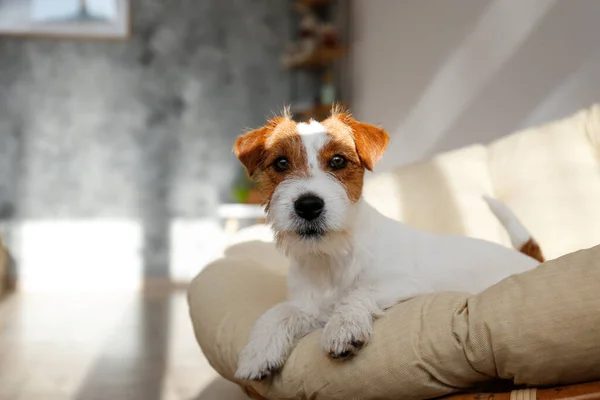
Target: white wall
x,y
443,74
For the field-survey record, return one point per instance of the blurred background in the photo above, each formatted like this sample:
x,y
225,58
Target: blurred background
x,y
117,179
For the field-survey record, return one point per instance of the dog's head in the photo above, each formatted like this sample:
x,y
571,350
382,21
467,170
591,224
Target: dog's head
x,y
310,175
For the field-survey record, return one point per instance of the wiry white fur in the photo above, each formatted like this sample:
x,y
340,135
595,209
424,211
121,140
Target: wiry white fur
x,y
284,221
274,335
519,235
314,137
337,205
363,265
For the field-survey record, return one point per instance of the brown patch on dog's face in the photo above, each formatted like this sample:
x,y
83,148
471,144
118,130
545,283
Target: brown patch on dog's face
x,y
342,143
274,141
284,142
362,145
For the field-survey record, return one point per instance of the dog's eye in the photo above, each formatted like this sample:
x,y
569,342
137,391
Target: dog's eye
x,y
281,164
337,162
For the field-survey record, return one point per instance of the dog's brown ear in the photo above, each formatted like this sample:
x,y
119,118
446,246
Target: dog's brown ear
x,y
371,142
249,149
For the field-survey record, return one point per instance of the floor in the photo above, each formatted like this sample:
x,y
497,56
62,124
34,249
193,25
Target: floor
x,y
99,346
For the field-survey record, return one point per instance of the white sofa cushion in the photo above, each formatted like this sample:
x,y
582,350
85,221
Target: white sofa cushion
x,y
548,175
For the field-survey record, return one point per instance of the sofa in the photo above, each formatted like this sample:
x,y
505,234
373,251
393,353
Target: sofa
x,y
550,177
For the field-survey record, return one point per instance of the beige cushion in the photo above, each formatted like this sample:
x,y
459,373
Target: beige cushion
x,y
538,328
548,175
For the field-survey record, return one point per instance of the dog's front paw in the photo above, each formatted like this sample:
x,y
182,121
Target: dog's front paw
x,y
258,361
343,337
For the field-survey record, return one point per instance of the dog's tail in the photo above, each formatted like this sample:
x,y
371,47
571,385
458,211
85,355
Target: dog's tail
x,y
519,235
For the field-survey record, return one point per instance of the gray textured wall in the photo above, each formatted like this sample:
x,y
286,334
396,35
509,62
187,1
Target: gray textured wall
x,y
141,129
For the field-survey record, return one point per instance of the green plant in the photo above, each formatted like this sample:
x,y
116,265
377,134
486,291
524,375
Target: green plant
x,y
241,187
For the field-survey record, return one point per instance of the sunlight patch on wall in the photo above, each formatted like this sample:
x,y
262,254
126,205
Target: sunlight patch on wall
x,y
499,33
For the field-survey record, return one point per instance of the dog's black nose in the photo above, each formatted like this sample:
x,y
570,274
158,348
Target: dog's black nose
x,y
309,207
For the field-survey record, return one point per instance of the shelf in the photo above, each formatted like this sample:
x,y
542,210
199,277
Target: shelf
x,y
314,3
321,58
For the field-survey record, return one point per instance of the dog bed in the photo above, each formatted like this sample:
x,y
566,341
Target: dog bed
x,y
539,328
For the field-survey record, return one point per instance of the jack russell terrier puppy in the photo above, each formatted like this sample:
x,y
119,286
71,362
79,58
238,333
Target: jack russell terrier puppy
x,y
349,262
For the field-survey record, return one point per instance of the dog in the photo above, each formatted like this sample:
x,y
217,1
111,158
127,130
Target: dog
x,y
349,263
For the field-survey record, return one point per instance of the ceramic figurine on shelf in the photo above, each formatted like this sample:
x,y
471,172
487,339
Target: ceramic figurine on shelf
x,y
307,43
329,36
313,34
